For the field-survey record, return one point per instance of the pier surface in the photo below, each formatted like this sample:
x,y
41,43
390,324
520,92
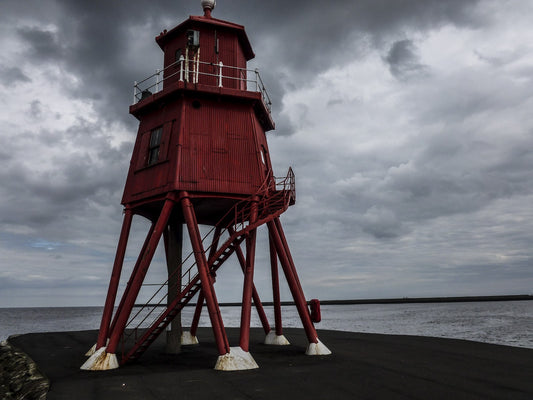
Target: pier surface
x,y
362,366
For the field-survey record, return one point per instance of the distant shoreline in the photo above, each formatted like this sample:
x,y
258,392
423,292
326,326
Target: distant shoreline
x,y
403,300
399,300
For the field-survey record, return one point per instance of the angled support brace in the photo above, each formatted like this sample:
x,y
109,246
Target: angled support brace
x,y
140,273
114,281
275,286
105,357
201,297
246,307
255,296
205,278
133,273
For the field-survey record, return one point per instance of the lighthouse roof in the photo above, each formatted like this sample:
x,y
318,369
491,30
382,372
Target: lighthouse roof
x,y
195,21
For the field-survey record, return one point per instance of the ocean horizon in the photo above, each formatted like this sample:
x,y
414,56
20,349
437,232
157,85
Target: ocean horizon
x,y
498,322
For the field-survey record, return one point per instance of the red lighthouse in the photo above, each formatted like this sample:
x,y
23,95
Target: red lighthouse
x,y
201,158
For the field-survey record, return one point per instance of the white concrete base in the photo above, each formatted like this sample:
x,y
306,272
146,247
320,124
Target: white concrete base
x,y
100,361
276,340
91,351
317,349
188,339
236,360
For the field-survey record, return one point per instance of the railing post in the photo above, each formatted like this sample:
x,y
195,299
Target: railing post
x,y
220,74
135,92
187,65
157,71
256,80
181,68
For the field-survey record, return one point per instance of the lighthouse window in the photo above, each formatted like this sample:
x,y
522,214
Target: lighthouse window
x,y
155,144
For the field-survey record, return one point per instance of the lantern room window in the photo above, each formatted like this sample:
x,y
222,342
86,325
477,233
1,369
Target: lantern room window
x,y
155,145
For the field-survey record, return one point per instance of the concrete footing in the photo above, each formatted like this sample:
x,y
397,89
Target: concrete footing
x,y
317,349
91,351
187,339
100,361
236,360
276,340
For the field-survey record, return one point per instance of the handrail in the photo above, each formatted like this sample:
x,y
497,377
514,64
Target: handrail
x,y
153,83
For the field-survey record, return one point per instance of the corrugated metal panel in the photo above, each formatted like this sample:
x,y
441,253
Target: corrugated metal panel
x,y
229,55
143,178
220,153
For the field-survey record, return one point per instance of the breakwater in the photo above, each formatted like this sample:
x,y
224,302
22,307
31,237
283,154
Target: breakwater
x,y
20,378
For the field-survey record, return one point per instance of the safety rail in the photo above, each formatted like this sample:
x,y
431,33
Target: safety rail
x,y
189,70
272,199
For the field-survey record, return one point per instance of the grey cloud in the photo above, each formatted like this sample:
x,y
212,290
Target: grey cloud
x,y
75,181
449,168
44,44
109,45
10,76
381,223
403,60
36,109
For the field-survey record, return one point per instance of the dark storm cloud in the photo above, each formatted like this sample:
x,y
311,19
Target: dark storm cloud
x,y
10,76
74,180
403,60
360,204
44,44
108,45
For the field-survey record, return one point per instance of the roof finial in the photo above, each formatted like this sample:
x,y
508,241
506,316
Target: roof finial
x,y
208,6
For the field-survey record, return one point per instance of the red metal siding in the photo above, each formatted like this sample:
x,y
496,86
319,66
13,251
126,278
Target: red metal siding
x,y
219,150
230,54
144,180
218,147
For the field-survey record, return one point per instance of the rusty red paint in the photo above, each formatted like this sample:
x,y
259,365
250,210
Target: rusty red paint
x,y
213,160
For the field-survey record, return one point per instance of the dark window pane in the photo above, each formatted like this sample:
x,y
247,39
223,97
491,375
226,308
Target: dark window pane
x,y
153,156
155,143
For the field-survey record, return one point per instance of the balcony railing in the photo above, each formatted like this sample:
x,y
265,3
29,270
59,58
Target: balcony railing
x,y
187,70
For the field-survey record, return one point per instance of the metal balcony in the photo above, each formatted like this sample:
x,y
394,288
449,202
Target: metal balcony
x,y
194,71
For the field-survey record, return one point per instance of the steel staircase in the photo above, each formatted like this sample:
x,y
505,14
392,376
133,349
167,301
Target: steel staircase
x,y
270,203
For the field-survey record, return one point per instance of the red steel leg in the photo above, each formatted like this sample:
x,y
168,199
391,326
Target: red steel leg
x,y
287,251
139,276
255,296
246,309
201,297
203,270
292,280
275,286
133,273
197,313
114,280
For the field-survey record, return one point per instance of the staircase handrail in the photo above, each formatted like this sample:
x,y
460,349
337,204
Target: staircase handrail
x,y
241,213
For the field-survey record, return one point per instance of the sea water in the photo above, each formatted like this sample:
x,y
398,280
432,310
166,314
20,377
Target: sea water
x,y
500,322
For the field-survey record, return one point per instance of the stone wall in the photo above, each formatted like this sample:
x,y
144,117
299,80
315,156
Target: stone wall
x,y
19,376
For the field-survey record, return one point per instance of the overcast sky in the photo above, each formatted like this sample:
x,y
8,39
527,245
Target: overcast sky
x,y
409,126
